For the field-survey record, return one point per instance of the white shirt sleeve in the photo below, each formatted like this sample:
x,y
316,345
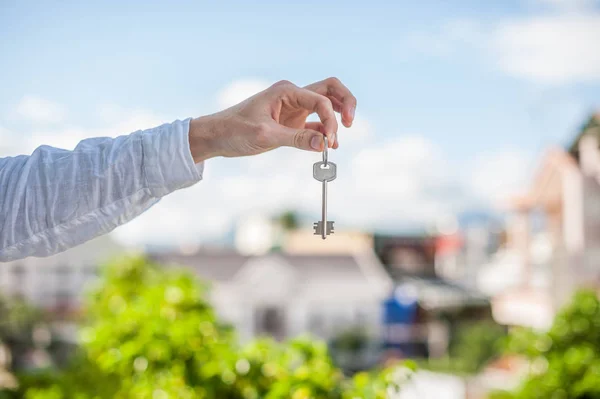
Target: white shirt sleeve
x,y
56,199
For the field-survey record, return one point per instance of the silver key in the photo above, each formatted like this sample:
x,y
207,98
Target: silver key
x,y
324,172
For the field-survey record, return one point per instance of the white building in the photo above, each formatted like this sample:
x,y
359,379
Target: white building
x,y
57,283
284,295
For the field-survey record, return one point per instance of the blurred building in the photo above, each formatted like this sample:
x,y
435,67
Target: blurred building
x,y
403,255
257,234
425,308
283,295
461,251
57,283
553,236
347,242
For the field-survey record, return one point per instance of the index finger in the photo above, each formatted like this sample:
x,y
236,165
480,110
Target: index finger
x,y
340,95
314,102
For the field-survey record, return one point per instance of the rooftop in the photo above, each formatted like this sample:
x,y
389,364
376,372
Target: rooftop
x,y
222,266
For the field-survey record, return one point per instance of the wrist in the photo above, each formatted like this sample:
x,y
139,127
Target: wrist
x,y
202,139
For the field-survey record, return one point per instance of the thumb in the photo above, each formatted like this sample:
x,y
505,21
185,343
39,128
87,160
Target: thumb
x,y
304,139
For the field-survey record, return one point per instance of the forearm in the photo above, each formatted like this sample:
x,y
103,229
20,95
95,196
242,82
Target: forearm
x,y
56,199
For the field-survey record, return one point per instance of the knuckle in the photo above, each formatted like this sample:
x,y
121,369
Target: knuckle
x,y
300,138
333,81
283,83
324,103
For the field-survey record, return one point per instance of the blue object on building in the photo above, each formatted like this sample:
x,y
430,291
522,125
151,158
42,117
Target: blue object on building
x,y
401,306
399,315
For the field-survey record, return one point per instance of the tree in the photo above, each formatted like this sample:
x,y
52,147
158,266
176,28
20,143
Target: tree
x,y
150,333
289,220
564,360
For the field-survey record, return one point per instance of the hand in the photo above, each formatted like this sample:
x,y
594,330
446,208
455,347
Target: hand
x,y
274,118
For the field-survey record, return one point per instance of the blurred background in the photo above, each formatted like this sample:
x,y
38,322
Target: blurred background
x,y
467,201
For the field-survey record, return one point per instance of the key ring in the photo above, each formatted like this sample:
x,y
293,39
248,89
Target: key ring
x,y
325,150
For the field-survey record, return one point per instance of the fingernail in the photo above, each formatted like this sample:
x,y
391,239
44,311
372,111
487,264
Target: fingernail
x,y
315,143
352,111
333,138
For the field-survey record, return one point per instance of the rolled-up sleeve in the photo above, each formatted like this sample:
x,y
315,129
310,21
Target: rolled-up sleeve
x,y
55,199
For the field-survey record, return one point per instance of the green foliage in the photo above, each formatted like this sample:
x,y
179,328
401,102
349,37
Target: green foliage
x,y
17,320
351,340
150,333
472,348
289,220
564,361
383,384
476,344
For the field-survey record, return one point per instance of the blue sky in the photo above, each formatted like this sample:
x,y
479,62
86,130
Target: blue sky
x,y
466,92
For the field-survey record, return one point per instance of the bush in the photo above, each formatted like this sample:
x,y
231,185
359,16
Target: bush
x,y
564,361
150,333
473,346
477,344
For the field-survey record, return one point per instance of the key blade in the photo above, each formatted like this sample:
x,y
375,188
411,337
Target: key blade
x,y
324,211
318,227
330,228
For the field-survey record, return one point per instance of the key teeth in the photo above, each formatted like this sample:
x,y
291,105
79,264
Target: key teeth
x,y
318,227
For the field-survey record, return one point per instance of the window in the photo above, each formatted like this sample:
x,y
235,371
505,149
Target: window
x,y
270,320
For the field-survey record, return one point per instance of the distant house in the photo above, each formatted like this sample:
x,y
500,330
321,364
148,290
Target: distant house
x,y
284,295
57,283
425,308
553,241
405,255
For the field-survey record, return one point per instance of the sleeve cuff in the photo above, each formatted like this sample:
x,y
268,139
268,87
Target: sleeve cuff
x,y
168,162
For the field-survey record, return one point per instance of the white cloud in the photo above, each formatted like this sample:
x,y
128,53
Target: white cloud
x,y
360,131
39,110
498,176
239,90
68,137
9,145
556,46
130,120
561,48
403,182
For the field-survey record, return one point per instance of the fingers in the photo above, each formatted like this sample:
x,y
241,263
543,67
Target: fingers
x,y
318,126
314,102
304,139
342,99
